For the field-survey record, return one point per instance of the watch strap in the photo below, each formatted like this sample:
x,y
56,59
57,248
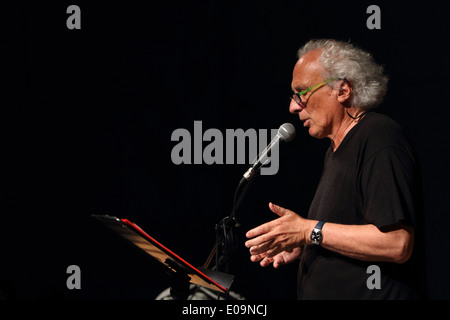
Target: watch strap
x,y
316,233
319,225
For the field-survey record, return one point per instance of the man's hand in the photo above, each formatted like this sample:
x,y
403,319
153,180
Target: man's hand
x,y
280,259
279,241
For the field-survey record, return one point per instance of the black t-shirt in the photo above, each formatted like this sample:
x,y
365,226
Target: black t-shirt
x,y
372,178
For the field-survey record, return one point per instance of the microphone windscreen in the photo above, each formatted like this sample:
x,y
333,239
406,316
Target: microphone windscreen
x,y
287,132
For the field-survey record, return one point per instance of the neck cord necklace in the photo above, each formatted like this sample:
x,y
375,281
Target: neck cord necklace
x,y
354,118
357,117
332,139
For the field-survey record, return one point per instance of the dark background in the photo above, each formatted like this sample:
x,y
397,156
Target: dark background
x,y
87,118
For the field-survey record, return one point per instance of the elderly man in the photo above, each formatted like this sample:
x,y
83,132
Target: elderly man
x,y
358,240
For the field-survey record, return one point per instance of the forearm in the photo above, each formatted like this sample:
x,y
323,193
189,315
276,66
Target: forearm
x,y
367,242
363,242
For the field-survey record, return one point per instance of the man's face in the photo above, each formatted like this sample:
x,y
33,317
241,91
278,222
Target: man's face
x,y
319,107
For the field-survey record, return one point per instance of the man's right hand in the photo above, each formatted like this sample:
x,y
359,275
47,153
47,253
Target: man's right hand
x,y
278,260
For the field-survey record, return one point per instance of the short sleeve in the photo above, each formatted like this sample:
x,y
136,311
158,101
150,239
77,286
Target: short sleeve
x,y
389,187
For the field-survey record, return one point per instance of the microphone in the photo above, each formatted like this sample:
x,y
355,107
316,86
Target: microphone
x,y
286,133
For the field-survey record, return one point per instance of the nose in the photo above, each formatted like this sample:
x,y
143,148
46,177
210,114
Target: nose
x,y
294,107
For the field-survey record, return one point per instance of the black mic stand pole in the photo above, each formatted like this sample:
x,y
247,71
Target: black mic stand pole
x,y
226,231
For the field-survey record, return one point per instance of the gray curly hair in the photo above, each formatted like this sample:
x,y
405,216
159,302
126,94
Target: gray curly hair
x,y
343,60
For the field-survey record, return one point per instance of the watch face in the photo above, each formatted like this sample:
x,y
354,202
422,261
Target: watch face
x,y
316,236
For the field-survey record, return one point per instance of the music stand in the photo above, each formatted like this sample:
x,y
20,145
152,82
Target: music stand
x,y
182,273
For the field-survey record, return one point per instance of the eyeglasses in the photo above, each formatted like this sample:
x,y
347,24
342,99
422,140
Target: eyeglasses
x,y
297,96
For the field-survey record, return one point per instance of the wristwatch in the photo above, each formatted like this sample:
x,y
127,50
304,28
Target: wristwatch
x,y
316,233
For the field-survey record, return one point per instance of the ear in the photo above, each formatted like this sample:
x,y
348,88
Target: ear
x,y
345,92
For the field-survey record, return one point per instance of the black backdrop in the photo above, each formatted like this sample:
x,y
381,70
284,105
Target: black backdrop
x,y
87,118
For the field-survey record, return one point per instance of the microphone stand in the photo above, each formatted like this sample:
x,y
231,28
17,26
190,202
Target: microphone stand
x,y
226,231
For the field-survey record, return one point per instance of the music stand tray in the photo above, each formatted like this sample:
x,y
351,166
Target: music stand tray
x,y
214,280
